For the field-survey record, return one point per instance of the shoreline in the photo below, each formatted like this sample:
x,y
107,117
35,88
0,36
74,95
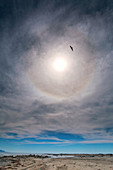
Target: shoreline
x,y
38,162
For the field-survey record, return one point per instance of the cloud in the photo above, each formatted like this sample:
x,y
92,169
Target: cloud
x,y
24,109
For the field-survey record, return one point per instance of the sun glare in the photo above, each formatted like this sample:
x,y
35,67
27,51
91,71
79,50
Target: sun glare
x,y
59,64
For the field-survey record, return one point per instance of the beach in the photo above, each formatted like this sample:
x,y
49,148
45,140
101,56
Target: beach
x,y
75,162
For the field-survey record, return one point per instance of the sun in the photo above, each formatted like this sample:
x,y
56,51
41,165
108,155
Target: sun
x,y
59,64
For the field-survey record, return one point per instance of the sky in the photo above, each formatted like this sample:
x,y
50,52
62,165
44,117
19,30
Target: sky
x,y
54,99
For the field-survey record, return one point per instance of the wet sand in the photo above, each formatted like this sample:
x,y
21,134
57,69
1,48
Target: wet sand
x,y
81,162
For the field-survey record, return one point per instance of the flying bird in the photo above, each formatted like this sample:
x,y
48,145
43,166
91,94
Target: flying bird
x,y
71,47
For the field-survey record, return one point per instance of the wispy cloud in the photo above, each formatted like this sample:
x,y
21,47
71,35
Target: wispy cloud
x,y
97,141
27,111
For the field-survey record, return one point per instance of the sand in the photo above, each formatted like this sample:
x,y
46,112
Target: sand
x,y
73,163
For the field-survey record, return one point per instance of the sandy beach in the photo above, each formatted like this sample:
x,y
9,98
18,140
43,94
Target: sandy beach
x,y
34,162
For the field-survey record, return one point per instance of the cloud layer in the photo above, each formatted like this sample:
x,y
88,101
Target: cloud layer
x,y
27,31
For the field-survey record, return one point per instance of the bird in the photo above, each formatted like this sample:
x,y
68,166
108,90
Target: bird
x,y
71,47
